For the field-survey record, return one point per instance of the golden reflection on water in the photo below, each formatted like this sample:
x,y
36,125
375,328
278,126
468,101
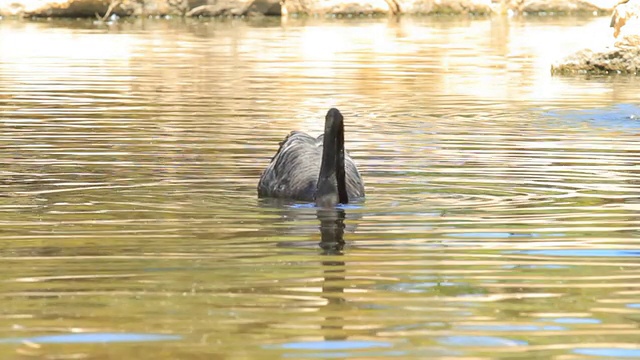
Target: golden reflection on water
x,y
395,50
502,202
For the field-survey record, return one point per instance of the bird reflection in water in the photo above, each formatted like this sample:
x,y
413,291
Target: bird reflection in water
x,y
332,242
332,222
331,230
297,220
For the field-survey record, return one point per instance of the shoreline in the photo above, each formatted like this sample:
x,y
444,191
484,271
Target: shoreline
x,y
103,9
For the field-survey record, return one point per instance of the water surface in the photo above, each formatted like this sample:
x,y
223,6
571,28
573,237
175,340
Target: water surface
x,y
501,218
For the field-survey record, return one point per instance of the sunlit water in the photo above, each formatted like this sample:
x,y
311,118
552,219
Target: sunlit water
x,y
502,216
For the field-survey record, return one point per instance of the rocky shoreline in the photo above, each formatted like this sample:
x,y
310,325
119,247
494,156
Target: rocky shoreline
x,y
104,8
621,57
610,61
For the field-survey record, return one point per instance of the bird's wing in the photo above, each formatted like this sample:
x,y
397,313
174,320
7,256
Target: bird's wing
x,y
293,170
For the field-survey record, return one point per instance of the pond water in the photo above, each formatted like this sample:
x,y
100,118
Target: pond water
x,y
502,217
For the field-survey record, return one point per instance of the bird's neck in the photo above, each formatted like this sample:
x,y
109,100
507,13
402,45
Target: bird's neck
x,y
332,179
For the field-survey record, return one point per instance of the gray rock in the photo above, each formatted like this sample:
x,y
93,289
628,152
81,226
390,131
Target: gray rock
x,y
77,8
265,7
220,8
440,7
450,7
314,7
623,57
613,60
560,6
87,8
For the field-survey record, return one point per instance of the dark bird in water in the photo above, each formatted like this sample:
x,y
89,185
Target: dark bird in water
x,y
310,169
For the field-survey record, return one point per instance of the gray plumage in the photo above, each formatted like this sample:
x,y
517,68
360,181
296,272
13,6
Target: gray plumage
x,y
297,171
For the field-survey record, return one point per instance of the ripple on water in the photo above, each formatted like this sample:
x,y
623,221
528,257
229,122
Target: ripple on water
x,y
579,252
480,341
337,349
621,117
84,338
614,353
334,345
568,320
498,214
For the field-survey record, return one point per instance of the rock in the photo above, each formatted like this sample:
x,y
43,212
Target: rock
x,y
622,57
447,7
441,7
336,7
76,8
87,8
219,8
610,61
80,8
11,8
265,7
560,6
237,8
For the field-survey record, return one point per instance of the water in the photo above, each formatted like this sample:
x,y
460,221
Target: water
x,y
501,218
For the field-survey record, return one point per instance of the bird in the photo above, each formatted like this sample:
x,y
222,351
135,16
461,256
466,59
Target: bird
x,y
312,169
622,12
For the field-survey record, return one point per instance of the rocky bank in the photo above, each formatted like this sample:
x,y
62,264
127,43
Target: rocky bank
x,y
88,8
621,57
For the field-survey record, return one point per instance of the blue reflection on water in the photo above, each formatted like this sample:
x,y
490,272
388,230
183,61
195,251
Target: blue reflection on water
x,y
579,252
83,338
333,345
508,327
492,235
313,206
576,321
331,349
542,266
620,117
336,349
609,352
479,341
342,355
